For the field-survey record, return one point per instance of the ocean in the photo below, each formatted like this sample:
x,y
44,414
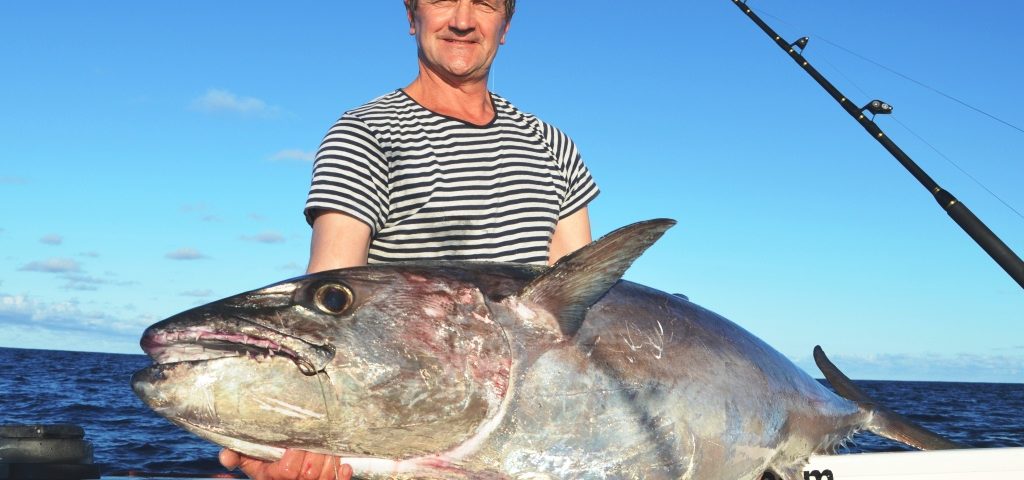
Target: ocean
x,y
92,390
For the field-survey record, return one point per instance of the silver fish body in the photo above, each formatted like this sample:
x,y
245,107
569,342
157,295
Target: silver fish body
x,y
468,370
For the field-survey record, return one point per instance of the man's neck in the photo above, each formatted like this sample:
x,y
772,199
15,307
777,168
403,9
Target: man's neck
x,y
467,101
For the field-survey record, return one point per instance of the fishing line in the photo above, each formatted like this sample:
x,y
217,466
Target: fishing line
x,y
837,70
957,100
848,79
894,72
323,393
912,132
926,142
951,162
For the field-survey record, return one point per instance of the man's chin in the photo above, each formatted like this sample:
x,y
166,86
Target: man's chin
x,y
460,72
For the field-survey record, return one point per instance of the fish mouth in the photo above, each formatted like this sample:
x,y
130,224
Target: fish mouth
x,y
198,343
195,344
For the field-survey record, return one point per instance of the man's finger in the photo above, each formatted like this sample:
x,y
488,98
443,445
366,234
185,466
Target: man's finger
x,y
253,468
289,467
313,465
229,458
330,469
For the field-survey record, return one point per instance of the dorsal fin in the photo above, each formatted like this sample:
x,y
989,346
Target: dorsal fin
x,y
579,279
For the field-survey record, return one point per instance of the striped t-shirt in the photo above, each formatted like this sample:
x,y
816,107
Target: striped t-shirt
x,y
435,187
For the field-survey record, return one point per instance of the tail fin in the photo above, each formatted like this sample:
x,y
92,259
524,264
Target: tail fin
x,y
884,422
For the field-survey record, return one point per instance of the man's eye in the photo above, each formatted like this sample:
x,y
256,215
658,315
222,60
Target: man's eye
x,y
490,5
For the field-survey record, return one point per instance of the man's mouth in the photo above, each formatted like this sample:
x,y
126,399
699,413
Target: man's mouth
x,y
459,41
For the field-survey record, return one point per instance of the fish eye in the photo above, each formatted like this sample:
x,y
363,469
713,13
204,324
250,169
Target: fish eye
x,y
333,298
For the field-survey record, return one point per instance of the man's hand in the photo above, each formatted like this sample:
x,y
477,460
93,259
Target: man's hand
x,y
294,465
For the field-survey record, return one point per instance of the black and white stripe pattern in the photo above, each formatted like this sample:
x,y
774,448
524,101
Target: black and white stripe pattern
x,y
435,187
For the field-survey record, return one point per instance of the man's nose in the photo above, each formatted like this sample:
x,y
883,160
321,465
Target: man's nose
x,y
462,20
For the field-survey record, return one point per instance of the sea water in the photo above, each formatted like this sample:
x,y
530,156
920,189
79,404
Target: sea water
x,y
92,390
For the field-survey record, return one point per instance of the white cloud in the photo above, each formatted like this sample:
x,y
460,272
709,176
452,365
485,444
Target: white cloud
x,y
185,254
40,337
211,218
954,367
197,293
293,155
217,101
8,180
65,316
52,239
72,273
292,267
90,254
52,265
195,208
88,283
201,209
265,237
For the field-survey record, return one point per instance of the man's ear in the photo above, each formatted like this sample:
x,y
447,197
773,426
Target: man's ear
x,y
411,18
505,32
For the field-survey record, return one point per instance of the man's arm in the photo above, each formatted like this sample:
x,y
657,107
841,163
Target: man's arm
x,y
571,233
339,241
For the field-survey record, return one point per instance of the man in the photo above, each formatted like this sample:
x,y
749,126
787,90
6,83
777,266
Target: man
x,y
442,169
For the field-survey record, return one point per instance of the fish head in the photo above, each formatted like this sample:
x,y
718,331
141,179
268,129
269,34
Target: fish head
x,y
383,361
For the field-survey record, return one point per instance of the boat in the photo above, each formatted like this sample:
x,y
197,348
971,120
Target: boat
x,y
962,464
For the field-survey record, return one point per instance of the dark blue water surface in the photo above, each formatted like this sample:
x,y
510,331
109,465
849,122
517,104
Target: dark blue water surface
x,y
92,390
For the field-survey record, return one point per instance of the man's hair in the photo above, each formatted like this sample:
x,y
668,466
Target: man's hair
x,y
510,7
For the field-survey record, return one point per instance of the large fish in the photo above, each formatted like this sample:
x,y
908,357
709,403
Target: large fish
x,y
488,370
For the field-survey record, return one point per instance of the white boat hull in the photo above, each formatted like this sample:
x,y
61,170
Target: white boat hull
x,y
965,464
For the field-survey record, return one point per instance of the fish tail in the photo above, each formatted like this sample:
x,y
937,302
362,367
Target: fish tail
x,y
882,421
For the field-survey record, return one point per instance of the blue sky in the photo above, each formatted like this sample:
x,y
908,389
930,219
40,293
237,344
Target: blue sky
x,y
156,155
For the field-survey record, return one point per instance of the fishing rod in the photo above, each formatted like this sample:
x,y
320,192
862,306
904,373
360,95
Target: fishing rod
x,y
959,212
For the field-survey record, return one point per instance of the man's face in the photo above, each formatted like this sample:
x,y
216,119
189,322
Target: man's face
x,y
458,39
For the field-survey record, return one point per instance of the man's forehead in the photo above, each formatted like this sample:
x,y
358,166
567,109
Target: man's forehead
x,y
413,3
510,5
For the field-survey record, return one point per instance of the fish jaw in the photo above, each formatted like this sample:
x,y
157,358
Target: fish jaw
x,y
221,397
215,337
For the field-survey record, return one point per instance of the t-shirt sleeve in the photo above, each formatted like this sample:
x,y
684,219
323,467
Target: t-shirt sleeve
x,y
580,185
350,175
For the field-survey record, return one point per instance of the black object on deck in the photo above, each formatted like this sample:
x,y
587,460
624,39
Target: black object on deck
x,y
45,452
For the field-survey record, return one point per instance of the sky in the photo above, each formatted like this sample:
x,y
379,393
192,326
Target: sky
x,y
155,156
